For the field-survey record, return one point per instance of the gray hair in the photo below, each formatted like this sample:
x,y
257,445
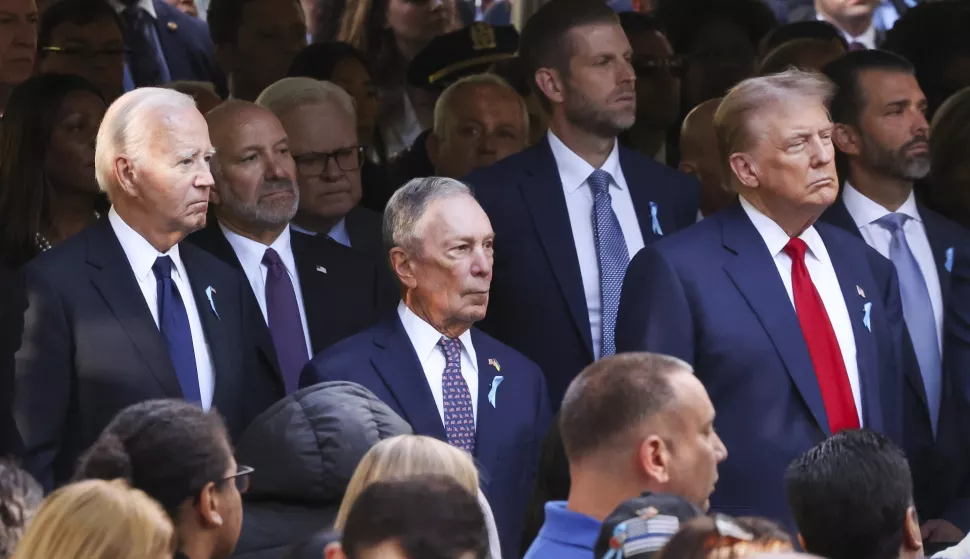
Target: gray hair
x,y
291,93
444,105
408,205
123,130
20,497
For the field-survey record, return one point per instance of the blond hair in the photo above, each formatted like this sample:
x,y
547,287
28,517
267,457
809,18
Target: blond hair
x,y
97,519
737,116
406,456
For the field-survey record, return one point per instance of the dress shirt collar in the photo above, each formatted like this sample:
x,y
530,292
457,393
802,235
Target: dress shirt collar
x,y
146,5
569,527
775,237
339,232
141,254
868,37
865,211
576,169
299,229
425,338
250,253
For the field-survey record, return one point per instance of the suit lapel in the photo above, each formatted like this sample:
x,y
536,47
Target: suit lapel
x,y
399,368
320,295
837,214
113,278
488,434
941,246
546,202
638,183
755,274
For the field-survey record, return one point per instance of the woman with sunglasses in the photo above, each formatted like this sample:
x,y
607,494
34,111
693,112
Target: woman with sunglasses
x,y
181,457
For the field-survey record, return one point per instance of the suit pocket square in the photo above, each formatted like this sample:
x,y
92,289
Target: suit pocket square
x,y
493,391
866,320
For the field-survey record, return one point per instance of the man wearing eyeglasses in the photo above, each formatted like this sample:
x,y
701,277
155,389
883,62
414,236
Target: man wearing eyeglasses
x,y
321,122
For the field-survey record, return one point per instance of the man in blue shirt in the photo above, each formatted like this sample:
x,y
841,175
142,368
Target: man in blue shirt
x,y
629,423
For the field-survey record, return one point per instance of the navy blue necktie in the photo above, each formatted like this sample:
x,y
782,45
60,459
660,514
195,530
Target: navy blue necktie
x,y
144,59
612,255
285,325
173,322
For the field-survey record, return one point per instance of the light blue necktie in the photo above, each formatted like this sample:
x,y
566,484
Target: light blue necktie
x,y
612,255
918,311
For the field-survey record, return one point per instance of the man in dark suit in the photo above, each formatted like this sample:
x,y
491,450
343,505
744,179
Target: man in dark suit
x,y
164,44
570,212
328,162
124,312
883,137
853,19
447,379
312,291
795,329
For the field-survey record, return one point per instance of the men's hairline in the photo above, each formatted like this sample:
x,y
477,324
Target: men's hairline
x,y
417,234
450,102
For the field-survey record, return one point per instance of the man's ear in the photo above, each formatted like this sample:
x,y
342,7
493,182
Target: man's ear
x,y
403,266
745,169
334,551
551,84
124,169
654,457
688,168
912,537
846,139
208,506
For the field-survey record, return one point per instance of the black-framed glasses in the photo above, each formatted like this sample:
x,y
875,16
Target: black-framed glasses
x,y
242,478
316,163
87,53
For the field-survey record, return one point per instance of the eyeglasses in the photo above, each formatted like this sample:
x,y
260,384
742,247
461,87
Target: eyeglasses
x,y
86,53
316,163
647,66
242,478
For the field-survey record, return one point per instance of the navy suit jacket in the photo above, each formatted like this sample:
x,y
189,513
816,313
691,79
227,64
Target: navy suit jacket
x,y
713,297
508,435
537,303
187,47
941,471
91,347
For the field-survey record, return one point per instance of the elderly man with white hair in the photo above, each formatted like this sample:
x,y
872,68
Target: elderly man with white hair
x,y
124,312
794,326
426,360
320,119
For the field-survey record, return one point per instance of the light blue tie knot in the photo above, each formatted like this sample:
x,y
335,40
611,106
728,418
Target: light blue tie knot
x,y
893,222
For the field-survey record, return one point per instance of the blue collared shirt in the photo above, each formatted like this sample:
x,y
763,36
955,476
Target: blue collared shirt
x,y
565,534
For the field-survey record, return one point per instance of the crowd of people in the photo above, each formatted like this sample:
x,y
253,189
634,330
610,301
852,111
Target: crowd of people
x,y
399,279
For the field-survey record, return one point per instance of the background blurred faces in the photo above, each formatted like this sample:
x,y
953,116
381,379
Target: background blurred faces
x,y
95,51
70,156
18,40
354,78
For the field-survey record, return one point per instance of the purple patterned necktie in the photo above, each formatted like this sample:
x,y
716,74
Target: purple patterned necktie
x,y
285,325
459,414
856,45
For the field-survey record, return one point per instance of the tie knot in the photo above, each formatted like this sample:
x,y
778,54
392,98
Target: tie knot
x,y
451,346
893,222
796,249
273,263
599,181
162,267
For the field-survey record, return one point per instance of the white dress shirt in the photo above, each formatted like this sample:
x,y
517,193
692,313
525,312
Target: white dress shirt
x,y
823,275
865,212
425,339
867,39
573,172
250,254
141,256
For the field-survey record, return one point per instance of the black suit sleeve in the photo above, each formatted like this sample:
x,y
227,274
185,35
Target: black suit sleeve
x,y
44,378
12,307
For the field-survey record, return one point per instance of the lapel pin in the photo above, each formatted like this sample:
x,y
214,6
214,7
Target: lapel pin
x,y
860,292
949,260
493,391
321,269
209,292
655,223
866,321
172,26
494,363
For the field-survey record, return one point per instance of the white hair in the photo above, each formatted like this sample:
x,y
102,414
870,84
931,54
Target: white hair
x,y
291,93
408,205
444,106
123,131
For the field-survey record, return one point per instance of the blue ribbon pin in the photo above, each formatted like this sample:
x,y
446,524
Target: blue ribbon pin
x,y
653,218
209,292
494,389
867,309
949,260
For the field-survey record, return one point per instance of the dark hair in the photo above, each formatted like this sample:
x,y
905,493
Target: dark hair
x,y
169,449
699,537
850,100
850,495
514,72
78,12
612,398
545,42
224,18
429,517
683,19
20,497
552,484
635,22
318,60
821,30
949,147
25,136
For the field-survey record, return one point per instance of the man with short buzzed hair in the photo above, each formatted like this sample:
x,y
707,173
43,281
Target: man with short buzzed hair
x,y
700,157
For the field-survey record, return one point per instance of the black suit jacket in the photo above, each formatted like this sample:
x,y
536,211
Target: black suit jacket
x,y
364,229
12,307
91,347
804,10
187,47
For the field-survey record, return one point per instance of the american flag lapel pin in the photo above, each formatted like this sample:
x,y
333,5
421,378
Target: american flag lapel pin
x,y
494,363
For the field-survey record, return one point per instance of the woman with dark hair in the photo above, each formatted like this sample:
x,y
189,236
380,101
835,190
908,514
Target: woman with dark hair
x,y
181,457
47,187
947,191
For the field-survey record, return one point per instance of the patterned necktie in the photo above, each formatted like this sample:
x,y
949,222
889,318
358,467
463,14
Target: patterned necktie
x,y
612,256
285,325
144,58
823,346
856,45
917,310
459,414
173,323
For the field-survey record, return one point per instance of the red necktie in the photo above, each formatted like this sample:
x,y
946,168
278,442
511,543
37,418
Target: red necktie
x,y
823,347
